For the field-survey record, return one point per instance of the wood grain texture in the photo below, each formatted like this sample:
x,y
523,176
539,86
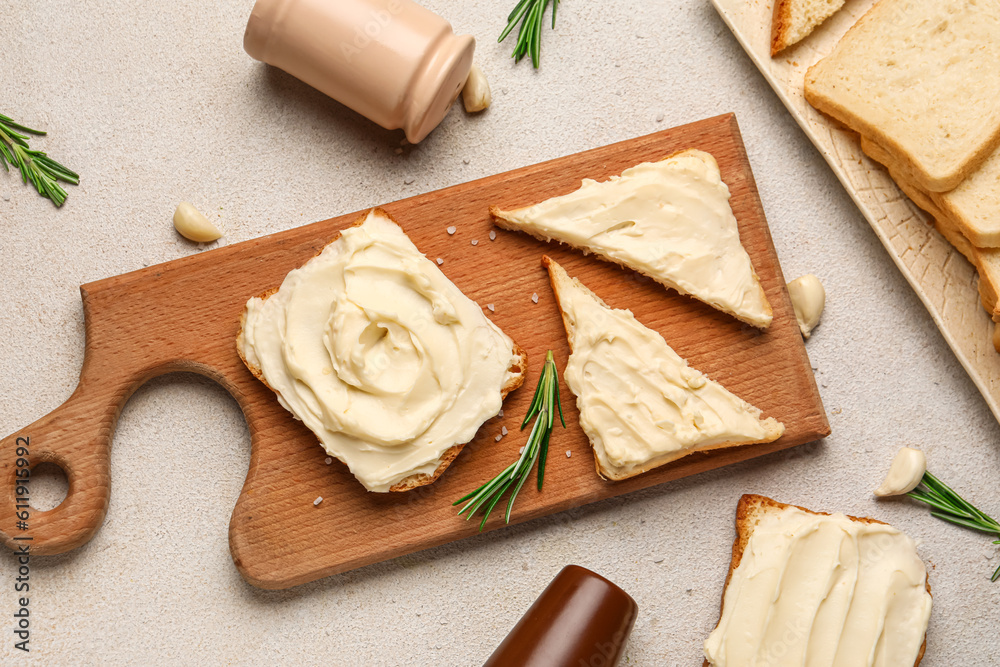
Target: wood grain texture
x,y
184,315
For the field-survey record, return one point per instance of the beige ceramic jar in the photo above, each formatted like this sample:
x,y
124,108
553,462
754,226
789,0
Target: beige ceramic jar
x,y
392,61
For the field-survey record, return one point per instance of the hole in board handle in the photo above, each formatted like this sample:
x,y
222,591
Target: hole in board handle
x,y
49,486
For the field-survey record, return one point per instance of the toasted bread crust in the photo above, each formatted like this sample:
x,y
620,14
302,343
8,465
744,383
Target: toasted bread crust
x,y
748,510
502,221
954,229
781,23
775,428
938,204
517,370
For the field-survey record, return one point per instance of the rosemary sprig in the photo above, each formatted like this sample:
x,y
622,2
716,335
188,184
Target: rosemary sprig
x,y
951,507
35,166
529,36
543,405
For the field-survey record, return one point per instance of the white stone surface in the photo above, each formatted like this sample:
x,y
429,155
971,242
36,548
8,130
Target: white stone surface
x,y
156,102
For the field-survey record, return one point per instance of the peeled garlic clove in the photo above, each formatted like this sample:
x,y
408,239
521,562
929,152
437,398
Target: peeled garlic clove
x,y
905,473
193,225
476,93
808,300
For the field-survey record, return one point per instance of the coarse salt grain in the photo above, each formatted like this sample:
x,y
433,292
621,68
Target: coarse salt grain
x,y
318,500
451,230
328,460
534,297
440,261
493,236
491,308
521,451
503,430
498,438
475,242
500,414
568,453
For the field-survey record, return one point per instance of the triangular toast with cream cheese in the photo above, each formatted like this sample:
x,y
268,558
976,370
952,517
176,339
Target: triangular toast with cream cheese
x,y
669,220
640,403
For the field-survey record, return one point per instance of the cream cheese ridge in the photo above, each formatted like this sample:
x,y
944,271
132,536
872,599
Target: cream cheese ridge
x,y
816,589
379,354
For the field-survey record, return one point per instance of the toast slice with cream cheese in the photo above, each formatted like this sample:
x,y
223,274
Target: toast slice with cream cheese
x,y
813,588
640,403
669,220
380,355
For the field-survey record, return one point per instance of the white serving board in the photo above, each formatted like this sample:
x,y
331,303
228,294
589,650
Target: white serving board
x,y
939,274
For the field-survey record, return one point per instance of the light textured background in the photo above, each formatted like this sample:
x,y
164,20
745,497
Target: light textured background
x,y
154,102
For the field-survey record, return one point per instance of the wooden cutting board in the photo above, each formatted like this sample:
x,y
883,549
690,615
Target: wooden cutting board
x,y
184,316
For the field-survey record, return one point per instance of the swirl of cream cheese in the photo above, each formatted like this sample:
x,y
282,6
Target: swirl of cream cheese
x,y
379,354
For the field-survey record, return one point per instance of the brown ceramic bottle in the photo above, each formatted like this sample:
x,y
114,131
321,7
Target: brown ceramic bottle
x,y
392,61
580,620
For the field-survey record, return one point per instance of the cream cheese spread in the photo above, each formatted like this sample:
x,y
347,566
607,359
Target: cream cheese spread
x,y
640,403
817,590
379,354
669,220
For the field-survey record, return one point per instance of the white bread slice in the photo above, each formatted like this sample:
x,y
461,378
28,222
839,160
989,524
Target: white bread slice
x,y
793,20
679,412
974,205
669,220
751,512
986,260
514,377
920,77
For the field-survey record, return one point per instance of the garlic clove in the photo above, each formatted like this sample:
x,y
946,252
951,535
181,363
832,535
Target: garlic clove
x,y
476,93
193,225
905,473
808,301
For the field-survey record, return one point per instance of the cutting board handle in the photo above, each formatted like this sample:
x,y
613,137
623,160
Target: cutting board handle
x,y
76,436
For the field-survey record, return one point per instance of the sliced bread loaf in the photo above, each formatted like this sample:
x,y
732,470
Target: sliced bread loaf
x,y
986,260
921,78
974,205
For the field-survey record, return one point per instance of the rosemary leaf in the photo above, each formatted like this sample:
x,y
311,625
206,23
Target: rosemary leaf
x,y
948,506
35,167
530,14
959,521
535,450
935,502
